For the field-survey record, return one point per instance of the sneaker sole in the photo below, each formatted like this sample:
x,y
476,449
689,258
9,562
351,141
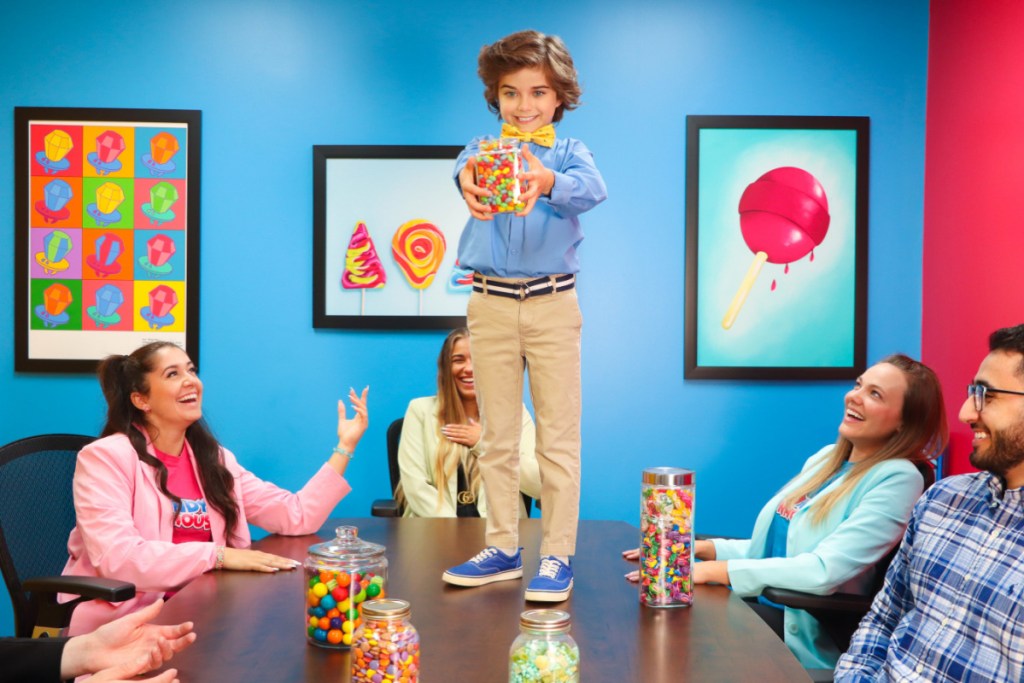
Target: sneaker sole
x,y
549,596
458,580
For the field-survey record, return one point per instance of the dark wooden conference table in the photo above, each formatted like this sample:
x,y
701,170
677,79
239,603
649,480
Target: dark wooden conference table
x,y
252,626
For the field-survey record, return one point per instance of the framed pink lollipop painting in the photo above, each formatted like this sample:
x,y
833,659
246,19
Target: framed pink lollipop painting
x,y
386,226
776,247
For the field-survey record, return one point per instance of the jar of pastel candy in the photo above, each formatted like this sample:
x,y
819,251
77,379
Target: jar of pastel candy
x,y
498,164
666,537
385,646
544,652
341,575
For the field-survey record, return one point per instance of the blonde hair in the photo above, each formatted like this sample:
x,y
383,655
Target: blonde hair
x,y
921,438
449,411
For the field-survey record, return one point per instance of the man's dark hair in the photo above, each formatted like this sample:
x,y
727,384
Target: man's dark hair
x,y
1009,339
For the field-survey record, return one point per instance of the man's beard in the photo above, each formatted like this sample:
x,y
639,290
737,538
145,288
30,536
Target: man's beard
x,y
1005,451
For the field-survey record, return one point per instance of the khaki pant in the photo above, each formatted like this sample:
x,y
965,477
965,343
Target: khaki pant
x,y
541,335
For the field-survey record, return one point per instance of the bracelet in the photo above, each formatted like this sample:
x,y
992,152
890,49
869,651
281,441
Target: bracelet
x,y
342,451
220,558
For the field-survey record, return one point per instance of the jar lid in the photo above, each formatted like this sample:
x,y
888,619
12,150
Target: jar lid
x,y
347,545
386,608
667,476
544,620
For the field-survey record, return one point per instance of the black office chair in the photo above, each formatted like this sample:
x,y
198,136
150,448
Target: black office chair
x,y
388,507
37,513
840,613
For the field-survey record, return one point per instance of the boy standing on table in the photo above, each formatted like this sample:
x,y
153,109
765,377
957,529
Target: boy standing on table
x,y
523,313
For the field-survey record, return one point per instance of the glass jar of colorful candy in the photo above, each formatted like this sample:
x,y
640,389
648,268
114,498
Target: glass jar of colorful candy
x,y
544,652
666,537
341,575
386,647
498,166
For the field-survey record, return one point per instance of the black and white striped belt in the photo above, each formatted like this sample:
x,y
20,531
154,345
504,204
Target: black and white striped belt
x,y
525,289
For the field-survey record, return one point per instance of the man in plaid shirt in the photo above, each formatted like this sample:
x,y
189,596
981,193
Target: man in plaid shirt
x,y
952,608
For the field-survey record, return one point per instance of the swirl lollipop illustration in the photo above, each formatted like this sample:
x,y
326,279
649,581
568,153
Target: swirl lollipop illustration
x,y
418,247
783,216
363,269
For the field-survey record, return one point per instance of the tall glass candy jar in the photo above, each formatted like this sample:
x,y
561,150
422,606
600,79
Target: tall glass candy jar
x,y
666,537
341,575
544,652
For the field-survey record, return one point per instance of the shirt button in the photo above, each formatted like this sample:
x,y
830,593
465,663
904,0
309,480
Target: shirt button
x,y
513,252
920,668
944,621
793,628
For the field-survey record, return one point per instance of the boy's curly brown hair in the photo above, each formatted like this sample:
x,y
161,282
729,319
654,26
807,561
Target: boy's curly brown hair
x,y
530,49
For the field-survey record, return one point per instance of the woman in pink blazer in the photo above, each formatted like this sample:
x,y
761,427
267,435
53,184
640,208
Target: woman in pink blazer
x,y
142,518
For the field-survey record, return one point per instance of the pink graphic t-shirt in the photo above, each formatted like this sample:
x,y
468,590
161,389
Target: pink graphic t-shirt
x,y
191,521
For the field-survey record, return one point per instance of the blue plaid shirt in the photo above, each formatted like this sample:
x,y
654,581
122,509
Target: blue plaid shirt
x,y
951,608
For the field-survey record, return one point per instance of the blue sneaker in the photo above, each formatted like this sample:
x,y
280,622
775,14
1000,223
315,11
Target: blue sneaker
x,y
488,566
553,582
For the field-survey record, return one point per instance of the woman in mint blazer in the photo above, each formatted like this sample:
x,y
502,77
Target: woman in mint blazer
x,y
827,529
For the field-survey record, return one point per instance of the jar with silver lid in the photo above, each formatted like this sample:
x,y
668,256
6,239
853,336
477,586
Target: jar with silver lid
x,y
386,646
666,537
544,652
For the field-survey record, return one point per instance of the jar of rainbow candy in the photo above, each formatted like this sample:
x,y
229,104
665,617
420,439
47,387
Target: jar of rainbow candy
x,y
386,646
544,652
498,164
666,537
341,575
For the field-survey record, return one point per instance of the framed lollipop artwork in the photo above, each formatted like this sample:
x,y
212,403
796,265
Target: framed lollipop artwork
x,y
386,227
106,234
776,247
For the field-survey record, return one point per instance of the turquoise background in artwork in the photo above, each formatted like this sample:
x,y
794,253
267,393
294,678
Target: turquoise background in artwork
x,y
808,319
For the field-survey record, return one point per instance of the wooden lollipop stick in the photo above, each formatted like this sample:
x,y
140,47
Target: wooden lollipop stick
x,y
744,290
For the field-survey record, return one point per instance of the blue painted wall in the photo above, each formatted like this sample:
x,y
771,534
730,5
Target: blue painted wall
x,y
273,79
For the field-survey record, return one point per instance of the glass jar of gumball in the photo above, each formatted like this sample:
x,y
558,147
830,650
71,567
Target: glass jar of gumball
x,y
498,164
544,652
385,646
341,575
666,537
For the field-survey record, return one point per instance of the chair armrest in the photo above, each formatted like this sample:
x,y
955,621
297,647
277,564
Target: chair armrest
x,y
90,587
384,507
837,603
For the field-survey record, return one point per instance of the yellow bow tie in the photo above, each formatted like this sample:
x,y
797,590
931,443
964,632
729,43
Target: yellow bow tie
x,y
544,136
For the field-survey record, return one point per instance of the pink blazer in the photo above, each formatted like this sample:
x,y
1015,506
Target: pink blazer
x,y
124,524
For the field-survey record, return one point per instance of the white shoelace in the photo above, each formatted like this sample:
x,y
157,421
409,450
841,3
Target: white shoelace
x,y
548,568
484,554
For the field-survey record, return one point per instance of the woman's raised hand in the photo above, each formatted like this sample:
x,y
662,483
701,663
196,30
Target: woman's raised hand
x,y
350,430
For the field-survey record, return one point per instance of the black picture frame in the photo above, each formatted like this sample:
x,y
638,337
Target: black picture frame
x,y
384,188
758,181
145,154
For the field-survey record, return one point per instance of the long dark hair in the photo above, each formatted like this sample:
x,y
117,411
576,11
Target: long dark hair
x,y
120,377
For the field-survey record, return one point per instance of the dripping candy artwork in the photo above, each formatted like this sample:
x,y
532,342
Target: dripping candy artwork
x,y
106,233
386,228
776,247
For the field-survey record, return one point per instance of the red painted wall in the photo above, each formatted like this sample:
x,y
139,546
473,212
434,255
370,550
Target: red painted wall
x,y
974,192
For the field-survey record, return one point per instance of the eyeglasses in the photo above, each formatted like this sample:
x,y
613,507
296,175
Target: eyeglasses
x,y
978,391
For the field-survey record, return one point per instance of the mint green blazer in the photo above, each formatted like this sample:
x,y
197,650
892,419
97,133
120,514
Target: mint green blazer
x,y
839,555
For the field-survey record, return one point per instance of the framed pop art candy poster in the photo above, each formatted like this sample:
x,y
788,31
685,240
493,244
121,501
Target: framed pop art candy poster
x,y
386,227
776,247
106,234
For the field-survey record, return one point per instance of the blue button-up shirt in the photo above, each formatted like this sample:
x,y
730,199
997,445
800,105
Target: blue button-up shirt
x,y
951,608
543,242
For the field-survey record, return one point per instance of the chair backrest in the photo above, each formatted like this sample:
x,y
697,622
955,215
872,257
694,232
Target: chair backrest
x,y
37,512
394,438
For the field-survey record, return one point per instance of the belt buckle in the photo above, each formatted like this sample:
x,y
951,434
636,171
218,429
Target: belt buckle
x,y
524,291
